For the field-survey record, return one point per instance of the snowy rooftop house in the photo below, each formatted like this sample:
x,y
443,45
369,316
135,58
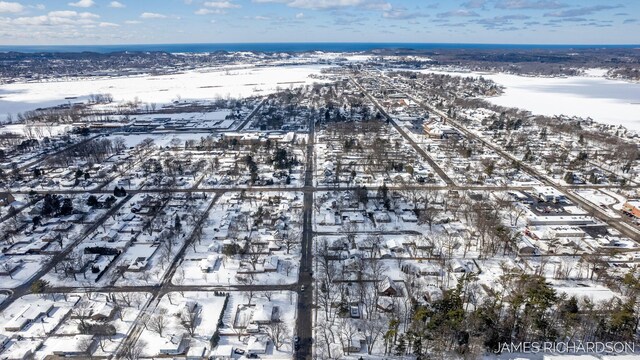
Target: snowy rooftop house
x,y
409,216
174,345
257,345
28,314
381,217
73,346
222,352
560,220
262,315
388,287
354,217
208,264
271,264
395,245
525,247
460,267
196,352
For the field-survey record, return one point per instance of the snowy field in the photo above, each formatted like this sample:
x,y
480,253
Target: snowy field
x,y
20,128
161,139
606,101
191,85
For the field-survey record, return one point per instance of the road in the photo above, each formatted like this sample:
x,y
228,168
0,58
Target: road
x,y
408,138
48,267
58,152
623,224
304,327
38,161
258,189
165,284
305,285
167,288
253,113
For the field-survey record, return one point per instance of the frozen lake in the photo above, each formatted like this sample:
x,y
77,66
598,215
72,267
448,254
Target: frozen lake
x,y
606,101
206,84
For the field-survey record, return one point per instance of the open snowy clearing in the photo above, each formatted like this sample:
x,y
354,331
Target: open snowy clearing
x,y
192,85
160,139
593,292
600,199
606,101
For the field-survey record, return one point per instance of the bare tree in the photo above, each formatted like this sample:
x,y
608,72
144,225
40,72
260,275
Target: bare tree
x,y
277,331
373,330
428,215
81,312
249,281
86,346
189,319
290,240
348,332
158,322
255,254
179,278
240,323
133,350
267,295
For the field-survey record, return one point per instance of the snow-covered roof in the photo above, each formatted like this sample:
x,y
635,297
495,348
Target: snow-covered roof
x,y
222,351
262,314
257,344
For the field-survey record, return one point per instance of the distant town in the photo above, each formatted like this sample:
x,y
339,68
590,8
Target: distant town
x,y
316,205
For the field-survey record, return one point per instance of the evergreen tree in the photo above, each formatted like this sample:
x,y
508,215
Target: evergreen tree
x,y
67,207
177,224
92,201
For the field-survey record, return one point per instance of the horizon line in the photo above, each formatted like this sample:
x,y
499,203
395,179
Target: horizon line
x,y
323,42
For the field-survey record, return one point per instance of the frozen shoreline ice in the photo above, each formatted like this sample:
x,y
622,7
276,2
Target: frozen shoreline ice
x,y
202,84
612,102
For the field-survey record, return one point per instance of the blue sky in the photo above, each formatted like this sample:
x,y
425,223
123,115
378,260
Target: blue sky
x,y
50,22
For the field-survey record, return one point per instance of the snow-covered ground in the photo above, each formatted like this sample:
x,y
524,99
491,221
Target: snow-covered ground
x,y
600,199
607,101
244,321
160,139
191,85
43,130
40,325
593,292
206,308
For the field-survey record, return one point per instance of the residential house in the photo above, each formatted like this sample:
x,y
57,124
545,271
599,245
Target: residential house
x,y
222,352
174,345
74,346
196,353
27,315
6,198
388,287
257,344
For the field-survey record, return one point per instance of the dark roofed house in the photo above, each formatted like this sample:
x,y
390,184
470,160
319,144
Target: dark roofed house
x,y
6,198
388,287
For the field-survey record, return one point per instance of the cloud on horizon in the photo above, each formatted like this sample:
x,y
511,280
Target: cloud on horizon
x,y
139,21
